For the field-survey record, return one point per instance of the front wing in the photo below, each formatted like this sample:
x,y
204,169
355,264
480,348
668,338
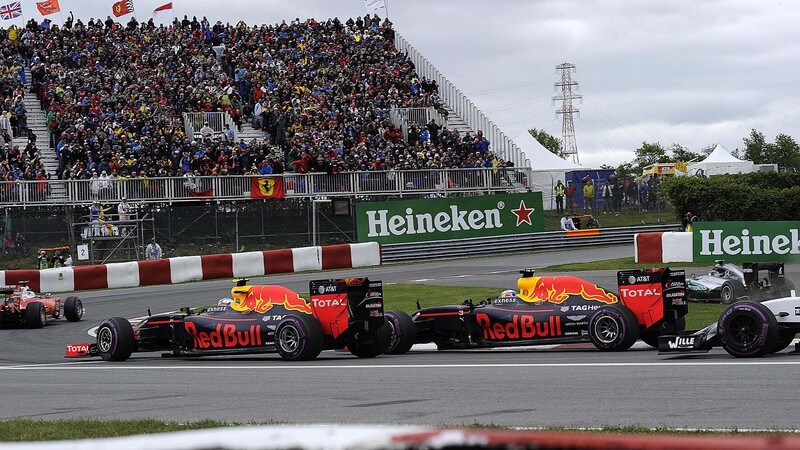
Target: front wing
x,y
695,341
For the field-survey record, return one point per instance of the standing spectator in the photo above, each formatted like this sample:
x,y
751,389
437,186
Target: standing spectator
x,y
153,250
588,195
607,192
68,261
569,192
41,261
94,218
124,210
433,131
58,260
559,192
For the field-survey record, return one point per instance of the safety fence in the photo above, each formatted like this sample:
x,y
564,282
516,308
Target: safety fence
x,y
463,248
501,144
440,182
419,117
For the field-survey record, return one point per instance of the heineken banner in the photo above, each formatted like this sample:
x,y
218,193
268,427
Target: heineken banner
x,y
449,218
746,241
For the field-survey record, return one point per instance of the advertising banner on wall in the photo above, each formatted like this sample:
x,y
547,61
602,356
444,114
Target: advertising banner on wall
x,y
747,241
401,221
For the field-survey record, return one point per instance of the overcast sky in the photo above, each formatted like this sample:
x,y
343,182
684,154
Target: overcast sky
x,y
680,71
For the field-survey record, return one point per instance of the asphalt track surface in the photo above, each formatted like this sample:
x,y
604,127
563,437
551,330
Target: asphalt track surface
x,y
527,388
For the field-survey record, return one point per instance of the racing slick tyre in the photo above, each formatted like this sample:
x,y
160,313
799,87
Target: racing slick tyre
x,y
380,343
785,337
651,337
728,293
402,332
299,338
35,315
613,329
115,339
747,330
73,309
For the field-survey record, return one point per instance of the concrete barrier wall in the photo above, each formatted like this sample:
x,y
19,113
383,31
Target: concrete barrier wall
x,y
663,247
193,268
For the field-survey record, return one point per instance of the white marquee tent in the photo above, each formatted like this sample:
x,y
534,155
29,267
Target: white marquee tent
x,y
547,167
719,162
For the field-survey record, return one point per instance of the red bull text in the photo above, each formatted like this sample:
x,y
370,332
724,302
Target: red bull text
x,y
224,336
520,327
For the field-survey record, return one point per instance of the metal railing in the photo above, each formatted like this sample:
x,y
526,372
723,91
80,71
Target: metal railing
x,y
421,117
194,121
501,144
465,248
440,182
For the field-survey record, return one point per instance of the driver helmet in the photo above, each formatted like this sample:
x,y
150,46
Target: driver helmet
x,y
224,301
508,294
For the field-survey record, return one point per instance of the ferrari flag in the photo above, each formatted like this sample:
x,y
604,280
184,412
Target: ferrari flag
x,y
122,7
267,187
165,9
48,7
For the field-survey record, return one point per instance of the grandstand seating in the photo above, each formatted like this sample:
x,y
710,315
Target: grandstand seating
x,y
318,92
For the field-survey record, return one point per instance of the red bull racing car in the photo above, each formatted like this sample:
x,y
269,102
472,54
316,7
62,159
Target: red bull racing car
x,y
563,309
342,313
20,306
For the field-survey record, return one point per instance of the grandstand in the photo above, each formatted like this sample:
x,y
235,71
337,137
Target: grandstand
x,y
107,102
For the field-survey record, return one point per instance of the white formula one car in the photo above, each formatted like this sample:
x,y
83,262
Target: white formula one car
x,y
745,330
727,283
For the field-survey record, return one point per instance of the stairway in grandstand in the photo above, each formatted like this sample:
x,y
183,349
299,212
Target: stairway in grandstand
x,y
36,122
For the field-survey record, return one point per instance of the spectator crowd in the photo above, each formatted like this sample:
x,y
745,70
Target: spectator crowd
x,y
320,92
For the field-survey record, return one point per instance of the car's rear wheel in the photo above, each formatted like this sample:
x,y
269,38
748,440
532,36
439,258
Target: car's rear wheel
x,y
378,344
299,338
402,332
747,330
613,329
115,340
35,315
728,293
73,309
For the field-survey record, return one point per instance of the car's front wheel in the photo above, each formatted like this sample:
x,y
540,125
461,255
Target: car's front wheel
x,y
115,340
35,315
747,330
299,338
613,329
728,293
73,309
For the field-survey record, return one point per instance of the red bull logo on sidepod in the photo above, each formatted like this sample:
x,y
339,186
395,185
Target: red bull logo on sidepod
x,y
262,298
557,289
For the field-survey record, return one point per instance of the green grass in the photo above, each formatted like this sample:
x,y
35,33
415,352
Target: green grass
x,y
625,218
27,430
614,264
22,430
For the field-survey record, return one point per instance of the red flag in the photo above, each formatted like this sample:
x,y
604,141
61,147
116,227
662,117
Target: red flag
x,y
163,9
267,187
48,7
122,7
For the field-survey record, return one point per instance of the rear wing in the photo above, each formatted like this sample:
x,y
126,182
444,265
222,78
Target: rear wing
x,y
341,303
654,294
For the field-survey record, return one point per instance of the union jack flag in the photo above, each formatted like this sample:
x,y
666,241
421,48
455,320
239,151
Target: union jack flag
x,y
10,11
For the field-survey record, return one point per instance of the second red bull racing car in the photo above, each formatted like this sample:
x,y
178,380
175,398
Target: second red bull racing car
x,y
563,309
342,313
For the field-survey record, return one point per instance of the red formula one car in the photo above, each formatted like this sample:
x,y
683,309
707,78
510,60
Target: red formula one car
x,y
343,313
21,306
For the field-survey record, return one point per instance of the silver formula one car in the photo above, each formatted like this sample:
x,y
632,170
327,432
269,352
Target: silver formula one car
x,y
745,329
728,283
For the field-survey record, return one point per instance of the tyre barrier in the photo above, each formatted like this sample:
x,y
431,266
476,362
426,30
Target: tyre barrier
x,y
195,268
663,247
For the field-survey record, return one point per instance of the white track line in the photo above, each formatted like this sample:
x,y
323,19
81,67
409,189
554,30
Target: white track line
x,y
84,365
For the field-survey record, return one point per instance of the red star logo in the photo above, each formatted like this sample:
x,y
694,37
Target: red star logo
x,y
523,214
